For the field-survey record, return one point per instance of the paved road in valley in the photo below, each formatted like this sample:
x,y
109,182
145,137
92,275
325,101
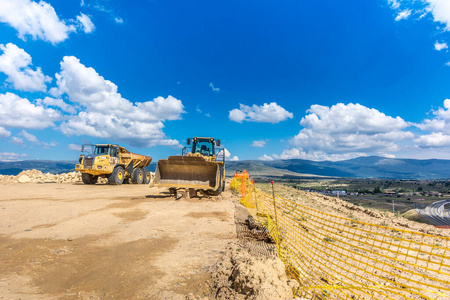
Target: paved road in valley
x,y
436,213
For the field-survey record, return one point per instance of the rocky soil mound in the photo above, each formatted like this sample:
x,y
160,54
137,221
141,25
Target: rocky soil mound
x,y
36,176
239,275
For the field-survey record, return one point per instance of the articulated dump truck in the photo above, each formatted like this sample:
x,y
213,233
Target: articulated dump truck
x,y
198,171
113,162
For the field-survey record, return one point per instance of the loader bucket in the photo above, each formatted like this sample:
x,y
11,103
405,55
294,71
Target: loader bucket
x,y
192,172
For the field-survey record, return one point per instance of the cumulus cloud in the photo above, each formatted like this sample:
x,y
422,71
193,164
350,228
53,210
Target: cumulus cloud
x,y
10,156
105,113
433,140
259,144
441,120
345,131
440,46
86,23
439,9
266,157
38,20
267,113
15,62
20,113
438,129
4,133
59,103
227,155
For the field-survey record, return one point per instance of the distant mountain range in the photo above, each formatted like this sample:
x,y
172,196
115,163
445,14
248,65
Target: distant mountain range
x,y
362,167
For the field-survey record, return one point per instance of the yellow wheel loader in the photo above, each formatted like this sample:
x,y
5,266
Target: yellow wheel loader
x,y
113,162
199,170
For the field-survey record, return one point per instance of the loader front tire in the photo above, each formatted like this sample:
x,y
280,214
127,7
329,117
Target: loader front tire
x,y
89,178
146,176
137,177
117,176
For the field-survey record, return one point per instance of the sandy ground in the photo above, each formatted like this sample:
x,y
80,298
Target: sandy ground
x,y
75,241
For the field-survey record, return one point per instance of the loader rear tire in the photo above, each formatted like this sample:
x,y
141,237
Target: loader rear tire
x,y
137,176
117,176
89,178
146,176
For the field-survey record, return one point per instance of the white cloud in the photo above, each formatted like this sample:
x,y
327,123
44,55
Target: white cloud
x,y
38,20
346,131
29,137
227,155
107,114
15,62
48,101
266,157
47,145
268,113
403,15
433,140
104,7
394,4
214,89
17,140
438,129
4,133
86,23
440,122
259,144
440,46
21,113
439,9
10,156
74,147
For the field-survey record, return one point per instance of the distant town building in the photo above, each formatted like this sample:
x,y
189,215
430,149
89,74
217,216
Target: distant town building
x,y
339,192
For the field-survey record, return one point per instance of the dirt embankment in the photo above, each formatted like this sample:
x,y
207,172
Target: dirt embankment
x,y
338,207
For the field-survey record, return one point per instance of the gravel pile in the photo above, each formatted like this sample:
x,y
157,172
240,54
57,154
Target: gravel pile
x,y
36,176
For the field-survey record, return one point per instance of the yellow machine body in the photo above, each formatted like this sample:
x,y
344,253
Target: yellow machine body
x,y
197,169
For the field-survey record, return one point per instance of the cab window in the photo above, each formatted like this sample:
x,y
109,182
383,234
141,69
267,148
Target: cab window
x,y
204,147
101,150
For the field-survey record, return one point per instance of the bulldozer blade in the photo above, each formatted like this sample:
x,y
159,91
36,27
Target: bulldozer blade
x,y
189,172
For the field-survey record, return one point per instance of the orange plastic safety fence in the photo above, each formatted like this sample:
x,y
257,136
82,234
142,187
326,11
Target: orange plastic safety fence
x,y
338,258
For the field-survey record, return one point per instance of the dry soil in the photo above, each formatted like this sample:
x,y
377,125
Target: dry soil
x,y
99,241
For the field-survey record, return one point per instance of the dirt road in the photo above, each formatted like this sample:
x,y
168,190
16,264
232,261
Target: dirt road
x,y
76,241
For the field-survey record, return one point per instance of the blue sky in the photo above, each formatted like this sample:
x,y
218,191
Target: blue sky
x,y
320,80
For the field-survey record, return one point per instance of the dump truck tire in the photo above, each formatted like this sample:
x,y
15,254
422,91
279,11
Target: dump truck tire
x,y
146,176
137,177
89,178
117,176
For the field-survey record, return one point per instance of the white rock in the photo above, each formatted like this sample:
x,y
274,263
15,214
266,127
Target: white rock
x,y
23,179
